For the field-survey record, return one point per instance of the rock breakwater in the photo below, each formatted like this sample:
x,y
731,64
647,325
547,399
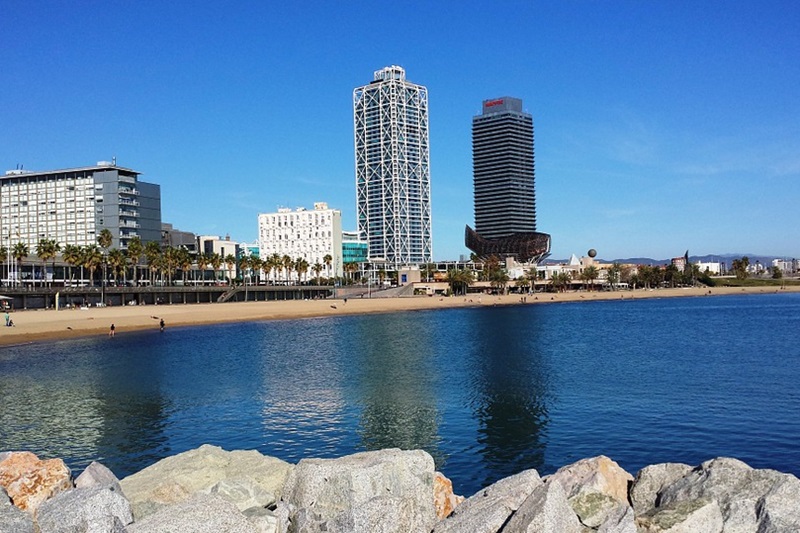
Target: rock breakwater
x,y
212,490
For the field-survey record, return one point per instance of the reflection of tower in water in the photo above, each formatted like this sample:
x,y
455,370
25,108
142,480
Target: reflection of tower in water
x,y
396,384
510,388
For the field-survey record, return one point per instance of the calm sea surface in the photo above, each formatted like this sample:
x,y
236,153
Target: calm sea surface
x,y
487,391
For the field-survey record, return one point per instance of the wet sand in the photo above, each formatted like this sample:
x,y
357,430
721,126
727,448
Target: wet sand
x,y
42,325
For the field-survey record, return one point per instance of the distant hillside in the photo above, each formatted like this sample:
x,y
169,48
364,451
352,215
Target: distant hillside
x,y
708,258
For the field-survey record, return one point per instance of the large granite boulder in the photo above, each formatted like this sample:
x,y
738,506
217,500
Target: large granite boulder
x,y
749,499
487,510
175,479
78,510
683,517
595,488
97,475
350,493
621,520
202,513
651,480
30,481
546,509
13,520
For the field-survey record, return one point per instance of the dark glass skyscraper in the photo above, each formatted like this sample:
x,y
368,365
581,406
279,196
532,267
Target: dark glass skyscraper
x,y
503,177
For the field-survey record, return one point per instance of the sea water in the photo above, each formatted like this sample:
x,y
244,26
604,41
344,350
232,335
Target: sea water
x,y
487,391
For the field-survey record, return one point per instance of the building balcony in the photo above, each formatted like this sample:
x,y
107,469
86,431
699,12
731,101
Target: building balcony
x,y
127,190
127,201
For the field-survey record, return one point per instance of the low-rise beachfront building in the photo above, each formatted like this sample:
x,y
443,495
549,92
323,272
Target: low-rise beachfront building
x,y
303,234
225,248
354,248
711,267
72,206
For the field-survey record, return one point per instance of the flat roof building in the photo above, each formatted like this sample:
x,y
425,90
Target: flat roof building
x,y
393,192
503,180
302,233
72,206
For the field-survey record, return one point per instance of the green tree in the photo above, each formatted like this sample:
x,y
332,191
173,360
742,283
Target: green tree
x,y
202,263
46,250
134,253
590,274
91,259
523,283
20,253
777,273
286,264
459,280
740,267
301,267
3,258
72,257
317,270
498,279
216,263
152,254
117,261
230,262
613,275
327,260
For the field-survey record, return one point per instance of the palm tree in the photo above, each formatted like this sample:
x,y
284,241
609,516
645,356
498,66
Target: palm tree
x,y
274,263
287,263
317,270
202,262
590,274
3,255
216,262
499,279
327,260
152,254
19,252
256,264
230,262
91,258
71,256
301,267
47,249
351,267
184,262
459,280
134,253
244,267
428,269
117,261
104,240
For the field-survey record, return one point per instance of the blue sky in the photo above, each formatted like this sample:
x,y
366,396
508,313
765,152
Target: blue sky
x,y
660,126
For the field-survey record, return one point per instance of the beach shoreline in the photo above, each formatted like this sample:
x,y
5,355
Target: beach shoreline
x,y
43,325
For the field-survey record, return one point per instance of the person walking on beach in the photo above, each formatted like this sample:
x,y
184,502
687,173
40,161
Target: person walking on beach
x,y
161,325
8,319
111,331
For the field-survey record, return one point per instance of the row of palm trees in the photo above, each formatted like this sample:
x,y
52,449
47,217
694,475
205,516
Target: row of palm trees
x,y
164,264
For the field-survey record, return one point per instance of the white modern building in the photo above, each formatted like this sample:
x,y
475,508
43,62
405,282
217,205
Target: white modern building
x,y
712,267
392,160
72,206
303,233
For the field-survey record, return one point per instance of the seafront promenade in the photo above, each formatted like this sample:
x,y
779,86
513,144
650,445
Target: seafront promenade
x,y
42,325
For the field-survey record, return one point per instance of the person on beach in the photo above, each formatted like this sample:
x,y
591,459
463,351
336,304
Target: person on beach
x,y
8,319
161,325
111,331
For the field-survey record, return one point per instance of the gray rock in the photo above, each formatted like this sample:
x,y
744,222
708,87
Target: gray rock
x,y
545,510
283,511
651,480
13,520
620,520
97,475
202,513
175,479
4,499
73,510
778,510
739,490
683,517
263,520
487,510
244,493
379,515
341,486
4,456
106,524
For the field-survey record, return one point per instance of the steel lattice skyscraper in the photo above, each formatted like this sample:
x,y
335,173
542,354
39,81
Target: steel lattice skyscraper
x,y
503,177
393,193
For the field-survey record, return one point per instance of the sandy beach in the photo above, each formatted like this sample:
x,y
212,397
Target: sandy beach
x,y
41,325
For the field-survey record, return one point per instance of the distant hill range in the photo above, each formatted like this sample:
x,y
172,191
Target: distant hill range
x,y
709,258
